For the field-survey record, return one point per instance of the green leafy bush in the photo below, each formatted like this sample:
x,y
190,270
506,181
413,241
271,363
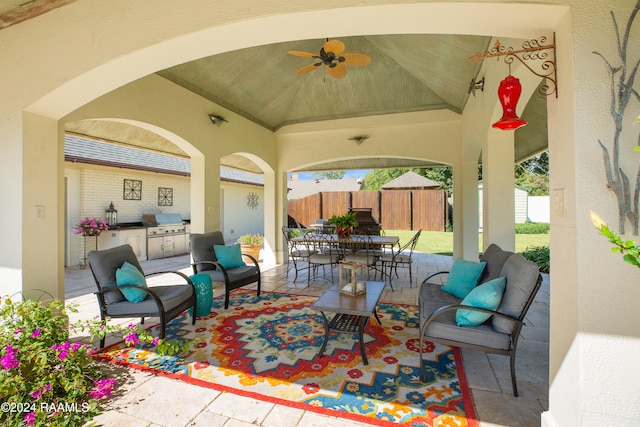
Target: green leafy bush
x,y
540,255
532,228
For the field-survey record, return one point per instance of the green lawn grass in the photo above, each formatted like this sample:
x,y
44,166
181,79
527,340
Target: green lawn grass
x,y
436,242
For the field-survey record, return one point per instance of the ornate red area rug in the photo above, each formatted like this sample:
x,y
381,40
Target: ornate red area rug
x,y
267,347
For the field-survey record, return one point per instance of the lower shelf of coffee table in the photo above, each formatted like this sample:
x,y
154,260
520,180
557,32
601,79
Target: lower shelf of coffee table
x,y
347,323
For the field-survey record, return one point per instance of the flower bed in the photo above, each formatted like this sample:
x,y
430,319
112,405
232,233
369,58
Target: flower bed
x,y
47,380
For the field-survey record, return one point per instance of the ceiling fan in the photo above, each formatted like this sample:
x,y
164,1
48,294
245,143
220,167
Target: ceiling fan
x,y
332,55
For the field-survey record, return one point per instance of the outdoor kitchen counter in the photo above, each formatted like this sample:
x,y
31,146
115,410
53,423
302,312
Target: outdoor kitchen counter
x,y
136,236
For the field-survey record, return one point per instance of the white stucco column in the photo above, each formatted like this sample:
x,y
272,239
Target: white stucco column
x,y
42,206
205,194
465,211
281,214
271,230
498,204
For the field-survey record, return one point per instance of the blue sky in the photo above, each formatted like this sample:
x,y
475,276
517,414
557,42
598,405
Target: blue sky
x,y
359,173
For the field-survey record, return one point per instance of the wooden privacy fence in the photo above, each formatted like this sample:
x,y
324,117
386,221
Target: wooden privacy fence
x,y
393,209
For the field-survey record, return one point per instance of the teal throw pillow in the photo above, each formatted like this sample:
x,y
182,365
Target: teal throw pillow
x,y
463,277
129,274
229,256
487,296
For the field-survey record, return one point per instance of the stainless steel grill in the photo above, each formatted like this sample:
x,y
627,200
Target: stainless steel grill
x,y
166,235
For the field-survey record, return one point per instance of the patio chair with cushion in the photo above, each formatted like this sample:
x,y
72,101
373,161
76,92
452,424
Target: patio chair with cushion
x,y
122,289
488,316
224,263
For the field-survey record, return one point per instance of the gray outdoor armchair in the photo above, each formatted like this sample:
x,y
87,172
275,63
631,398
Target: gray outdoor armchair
x,y
206,261
499,334
164,302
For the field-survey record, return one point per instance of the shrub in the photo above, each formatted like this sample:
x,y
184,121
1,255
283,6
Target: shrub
x,y
41,368
532,228
540,255
251,239
47,380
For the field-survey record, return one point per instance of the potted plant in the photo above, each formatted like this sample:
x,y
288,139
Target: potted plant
x,y
250,244
344,223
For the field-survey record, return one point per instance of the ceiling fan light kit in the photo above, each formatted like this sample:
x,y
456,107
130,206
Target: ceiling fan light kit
x,y
333,57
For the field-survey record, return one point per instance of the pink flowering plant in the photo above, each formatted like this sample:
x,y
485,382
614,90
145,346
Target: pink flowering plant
x,y
91,226
46,379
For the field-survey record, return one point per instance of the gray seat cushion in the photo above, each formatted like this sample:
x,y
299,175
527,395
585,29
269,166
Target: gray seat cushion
x,y
433,293
522,277
104,265
202,249
171,297
235,274
495,258
444,326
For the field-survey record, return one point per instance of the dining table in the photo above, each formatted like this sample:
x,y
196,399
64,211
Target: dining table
x,y
377,243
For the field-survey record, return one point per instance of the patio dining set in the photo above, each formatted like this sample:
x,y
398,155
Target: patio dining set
x,y
381,254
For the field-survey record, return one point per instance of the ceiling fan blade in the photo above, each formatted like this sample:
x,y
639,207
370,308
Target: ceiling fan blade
x,y
335,46
337,71
301,53
308,68
355,59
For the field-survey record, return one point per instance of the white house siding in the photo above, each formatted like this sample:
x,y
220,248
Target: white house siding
x,y
539,209
521,205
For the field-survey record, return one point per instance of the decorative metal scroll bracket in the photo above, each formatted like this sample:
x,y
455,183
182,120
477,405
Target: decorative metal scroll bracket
x,y
532,50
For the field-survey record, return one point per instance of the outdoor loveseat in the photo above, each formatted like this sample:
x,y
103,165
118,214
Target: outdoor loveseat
x,y
441,312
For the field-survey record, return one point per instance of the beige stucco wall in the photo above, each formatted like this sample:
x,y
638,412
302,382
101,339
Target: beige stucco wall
x,y
595,334
57,68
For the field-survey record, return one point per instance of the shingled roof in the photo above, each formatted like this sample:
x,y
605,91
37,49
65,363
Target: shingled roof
x,y
101,153
411,180
306,187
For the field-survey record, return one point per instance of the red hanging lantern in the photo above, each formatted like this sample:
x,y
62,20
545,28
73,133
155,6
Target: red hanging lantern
x,y
509,94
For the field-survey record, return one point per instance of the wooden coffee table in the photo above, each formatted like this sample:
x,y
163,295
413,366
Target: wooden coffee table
x,y
351,313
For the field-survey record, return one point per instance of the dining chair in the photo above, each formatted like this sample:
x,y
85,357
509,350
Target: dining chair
x,y
360,249
298,251
327,252
402,257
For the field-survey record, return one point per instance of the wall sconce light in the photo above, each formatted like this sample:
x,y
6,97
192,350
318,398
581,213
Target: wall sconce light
x,y
217,120
112,216
358,139
508,95
475,85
